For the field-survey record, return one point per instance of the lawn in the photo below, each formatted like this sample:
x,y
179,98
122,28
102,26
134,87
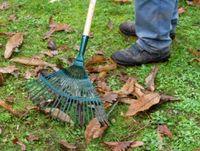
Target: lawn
x,y
179,77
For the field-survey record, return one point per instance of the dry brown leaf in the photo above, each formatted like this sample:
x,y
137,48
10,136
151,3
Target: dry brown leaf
x,y
122,146
163,129
109,97
127,88
166,98
127,100
4,6
32,138
9,108
131,87
181,10
94,130
1,79
66,146
110,65
32,62
96,59
102,87
0,130
150,80
57,113
139,90
102,75
17,141
8,69
56,27
14,42
143,103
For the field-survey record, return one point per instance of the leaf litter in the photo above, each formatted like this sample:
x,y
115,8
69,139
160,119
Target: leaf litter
x,y
122,146
132,93
54,27
14,42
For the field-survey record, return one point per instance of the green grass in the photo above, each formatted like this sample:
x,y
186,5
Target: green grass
x,y
180,77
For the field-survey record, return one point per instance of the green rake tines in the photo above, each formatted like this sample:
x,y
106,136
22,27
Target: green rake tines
x,y
70,90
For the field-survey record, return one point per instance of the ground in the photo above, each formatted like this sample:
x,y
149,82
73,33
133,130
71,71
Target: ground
x,y
179,77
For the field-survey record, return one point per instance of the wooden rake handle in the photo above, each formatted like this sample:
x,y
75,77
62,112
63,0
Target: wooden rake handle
x,y
89,17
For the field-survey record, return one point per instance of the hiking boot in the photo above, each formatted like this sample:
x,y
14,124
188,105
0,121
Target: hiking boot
x,y
136,56
128,29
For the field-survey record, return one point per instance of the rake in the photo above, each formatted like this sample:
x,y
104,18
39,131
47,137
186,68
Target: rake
x,y
70,90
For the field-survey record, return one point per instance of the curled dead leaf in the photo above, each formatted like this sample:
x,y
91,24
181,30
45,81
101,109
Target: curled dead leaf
x,y
166,98
143,103
94,130
122,146
56,27
57,113
127,88
67,146
32,62
109,66
14,42
163,129
96,59
150,80
8,69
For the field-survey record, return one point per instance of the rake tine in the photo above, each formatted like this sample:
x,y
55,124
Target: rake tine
x,y
80,112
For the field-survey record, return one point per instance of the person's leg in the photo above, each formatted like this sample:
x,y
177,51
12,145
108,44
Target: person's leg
x,y
174,21
153,24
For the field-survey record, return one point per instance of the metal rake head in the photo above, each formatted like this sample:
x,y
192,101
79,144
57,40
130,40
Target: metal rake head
x,y
70,91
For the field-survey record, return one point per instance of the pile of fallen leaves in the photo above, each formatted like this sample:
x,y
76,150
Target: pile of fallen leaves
x,y
138,97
